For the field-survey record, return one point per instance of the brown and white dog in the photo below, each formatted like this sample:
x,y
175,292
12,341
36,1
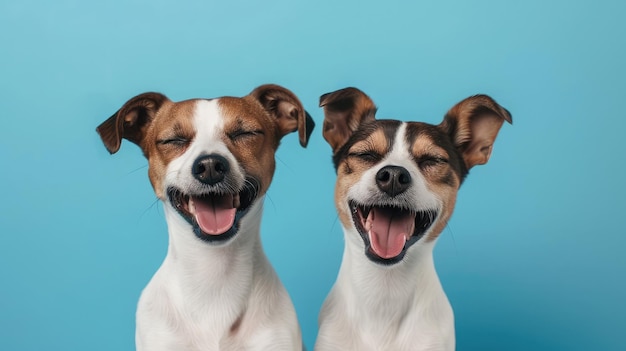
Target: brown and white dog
x,y
396,188
211,162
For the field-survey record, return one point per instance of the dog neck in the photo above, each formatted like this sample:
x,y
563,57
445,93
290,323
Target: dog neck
x,y
377,292
197,265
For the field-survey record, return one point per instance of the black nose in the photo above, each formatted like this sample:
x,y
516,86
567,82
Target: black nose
x,y
393,180
210,169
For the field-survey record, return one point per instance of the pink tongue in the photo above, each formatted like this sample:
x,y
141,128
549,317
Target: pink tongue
x,y
214,215
388,230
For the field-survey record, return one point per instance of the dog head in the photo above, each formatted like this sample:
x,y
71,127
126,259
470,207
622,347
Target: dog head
x,y
397,181
209,159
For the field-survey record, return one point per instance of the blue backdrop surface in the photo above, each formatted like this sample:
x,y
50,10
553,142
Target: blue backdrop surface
x,y
533,258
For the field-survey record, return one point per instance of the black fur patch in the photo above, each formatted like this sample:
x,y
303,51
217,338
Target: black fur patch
x,y
389,128
444,141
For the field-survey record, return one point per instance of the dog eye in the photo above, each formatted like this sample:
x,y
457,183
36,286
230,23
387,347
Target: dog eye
x,y
430,161
241,134
366,156
175,141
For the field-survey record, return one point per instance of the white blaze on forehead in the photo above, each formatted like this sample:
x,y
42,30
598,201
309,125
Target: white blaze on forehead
x,y
208,123
399,155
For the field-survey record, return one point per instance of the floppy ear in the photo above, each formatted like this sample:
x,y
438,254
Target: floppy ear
x,y
344,111
473,125
287,109
131,121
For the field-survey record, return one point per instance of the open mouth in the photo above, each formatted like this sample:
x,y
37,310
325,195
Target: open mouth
x,y
215,217
388,231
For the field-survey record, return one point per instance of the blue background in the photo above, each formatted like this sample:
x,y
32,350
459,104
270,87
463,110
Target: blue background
x,y
532,260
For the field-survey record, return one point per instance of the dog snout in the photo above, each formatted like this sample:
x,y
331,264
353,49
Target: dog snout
x,y
210,169
393,180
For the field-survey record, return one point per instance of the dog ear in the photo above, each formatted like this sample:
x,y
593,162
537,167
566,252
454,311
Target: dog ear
x,y
131,121
473,125
344,111
287,109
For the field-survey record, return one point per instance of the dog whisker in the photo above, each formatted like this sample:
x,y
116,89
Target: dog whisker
x,y
155,202
138,169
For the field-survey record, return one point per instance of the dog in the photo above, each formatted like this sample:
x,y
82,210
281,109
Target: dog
x,y
211,161
396,188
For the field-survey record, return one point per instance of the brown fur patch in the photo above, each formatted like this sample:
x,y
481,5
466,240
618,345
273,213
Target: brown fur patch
x,y
357,158
173,120
255,153
438,163
375,142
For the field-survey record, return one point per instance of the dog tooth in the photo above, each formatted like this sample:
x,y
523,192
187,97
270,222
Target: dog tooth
x,y
369,223
192,207
236,201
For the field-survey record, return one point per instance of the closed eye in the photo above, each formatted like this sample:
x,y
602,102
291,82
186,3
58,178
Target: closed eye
x,y
242,133
426,161
175,141
366,156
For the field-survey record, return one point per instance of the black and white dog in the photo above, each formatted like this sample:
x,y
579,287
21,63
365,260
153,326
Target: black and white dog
x,y
396,188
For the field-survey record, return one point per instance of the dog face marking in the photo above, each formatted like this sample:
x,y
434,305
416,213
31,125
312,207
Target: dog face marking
x,y
209,159
397,181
